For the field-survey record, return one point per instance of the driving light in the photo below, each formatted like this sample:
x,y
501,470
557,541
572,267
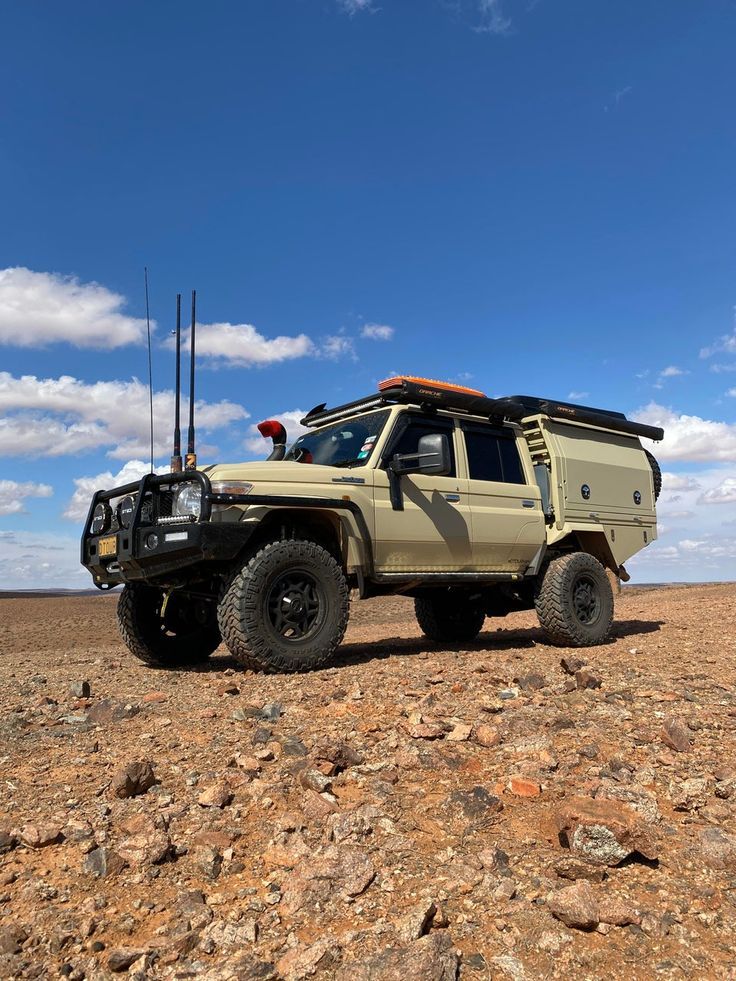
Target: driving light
x,y
126,510
101,518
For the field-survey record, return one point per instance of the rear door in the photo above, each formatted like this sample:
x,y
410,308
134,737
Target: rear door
x,y
432,533
506,510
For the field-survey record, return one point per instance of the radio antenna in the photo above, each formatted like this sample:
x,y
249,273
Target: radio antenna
x,y
176,456
150,360
191,459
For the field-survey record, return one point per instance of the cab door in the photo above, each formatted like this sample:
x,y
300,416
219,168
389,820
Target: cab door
x,y
432,533
506,510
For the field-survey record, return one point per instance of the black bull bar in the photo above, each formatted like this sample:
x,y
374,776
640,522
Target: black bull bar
x,y
135,559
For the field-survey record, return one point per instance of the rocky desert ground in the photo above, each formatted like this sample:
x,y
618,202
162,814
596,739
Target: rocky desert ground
x,y
506,810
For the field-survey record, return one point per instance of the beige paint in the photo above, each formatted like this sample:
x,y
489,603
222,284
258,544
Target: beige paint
x,y
487,529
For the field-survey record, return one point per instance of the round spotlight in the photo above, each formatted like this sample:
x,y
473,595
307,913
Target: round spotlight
x,y
126,510
101,518
152,541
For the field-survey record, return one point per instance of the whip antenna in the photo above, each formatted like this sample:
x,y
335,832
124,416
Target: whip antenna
x,y
191,459
150,360
176,455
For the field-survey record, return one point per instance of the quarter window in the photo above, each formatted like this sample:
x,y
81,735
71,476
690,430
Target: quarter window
x,y
492,455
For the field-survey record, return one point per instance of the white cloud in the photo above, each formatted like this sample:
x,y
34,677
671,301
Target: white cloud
x,y
672,371
336,346
723,493
492,19
290,420
13,494
689,437
720,367
578,395
76,509
241,345
731,392
353,7
61,416
377,332
38,560
40,308
725,343
679,482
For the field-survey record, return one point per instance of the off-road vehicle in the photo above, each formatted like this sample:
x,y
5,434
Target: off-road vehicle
x,y
473,506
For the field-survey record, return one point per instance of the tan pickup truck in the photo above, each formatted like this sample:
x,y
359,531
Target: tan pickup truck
x,y
471,505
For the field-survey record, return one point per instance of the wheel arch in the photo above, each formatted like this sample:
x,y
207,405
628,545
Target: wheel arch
x,y
324,527
594,543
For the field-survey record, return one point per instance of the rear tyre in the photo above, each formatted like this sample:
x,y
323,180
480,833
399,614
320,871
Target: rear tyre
x,y
574,601
286,609
656,474
449,617
176,634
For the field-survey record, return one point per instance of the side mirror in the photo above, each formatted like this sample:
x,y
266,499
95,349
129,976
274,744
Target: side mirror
x,y
432,457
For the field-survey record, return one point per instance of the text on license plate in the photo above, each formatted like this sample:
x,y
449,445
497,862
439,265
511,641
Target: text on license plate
x,y
107,546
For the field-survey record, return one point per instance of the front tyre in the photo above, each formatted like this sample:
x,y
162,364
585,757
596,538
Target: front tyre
x,y
286,609
166,633
574,601
449,617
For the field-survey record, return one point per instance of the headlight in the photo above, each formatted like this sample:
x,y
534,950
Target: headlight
x,y
188,500
231,487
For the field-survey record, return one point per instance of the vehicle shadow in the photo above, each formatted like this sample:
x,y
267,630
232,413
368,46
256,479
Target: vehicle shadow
x,y
489,641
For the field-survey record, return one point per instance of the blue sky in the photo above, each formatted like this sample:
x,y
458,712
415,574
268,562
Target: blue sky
x,y
535,197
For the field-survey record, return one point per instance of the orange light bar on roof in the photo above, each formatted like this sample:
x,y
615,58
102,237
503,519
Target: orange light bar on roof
x,y
429,382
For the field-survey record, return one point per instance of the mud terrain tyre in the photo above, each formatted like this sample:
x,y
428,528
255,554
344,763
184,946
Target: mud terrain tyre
x,y
286,609
184,634
574,601
656,474
448,617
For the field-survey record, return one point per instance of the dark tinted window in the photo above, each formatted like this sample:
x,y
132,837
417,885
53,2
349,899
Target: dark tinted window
x,y
493,456
407,439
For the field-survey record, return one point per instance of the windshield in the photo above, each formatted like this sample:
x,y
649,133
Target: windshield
x,y
344,444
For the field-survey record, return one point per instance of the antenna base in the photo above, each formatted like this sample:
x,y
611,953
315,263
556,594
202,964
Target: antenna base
x,y
176,466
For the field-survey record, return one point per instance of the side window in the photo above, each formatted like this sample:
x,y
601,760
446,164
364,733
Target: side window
x,y
492,455
405,438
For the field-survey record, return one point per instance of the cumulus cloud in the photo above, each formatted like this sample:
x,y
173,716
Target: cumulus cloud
x,y
377,332
241,345
78,505
576,396
689,437
723,493
731,392
61,416
13,495
672,371
260,447
40,308
679,482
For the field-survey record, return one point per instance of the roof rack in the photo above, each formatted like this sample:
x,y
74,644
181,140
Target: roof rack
x,y
430,394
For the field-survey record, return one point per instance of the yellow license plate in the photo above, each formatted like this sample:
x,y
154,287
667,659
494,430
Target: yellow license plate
x,y
107,546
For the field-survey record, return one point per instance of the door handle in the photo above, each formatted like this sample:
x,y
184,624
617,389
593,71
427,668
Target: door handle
x,y
454,498
527,504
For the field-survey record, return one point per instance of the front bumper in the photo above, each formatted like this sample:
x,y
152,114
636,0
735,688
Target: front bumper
x,y
152,549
